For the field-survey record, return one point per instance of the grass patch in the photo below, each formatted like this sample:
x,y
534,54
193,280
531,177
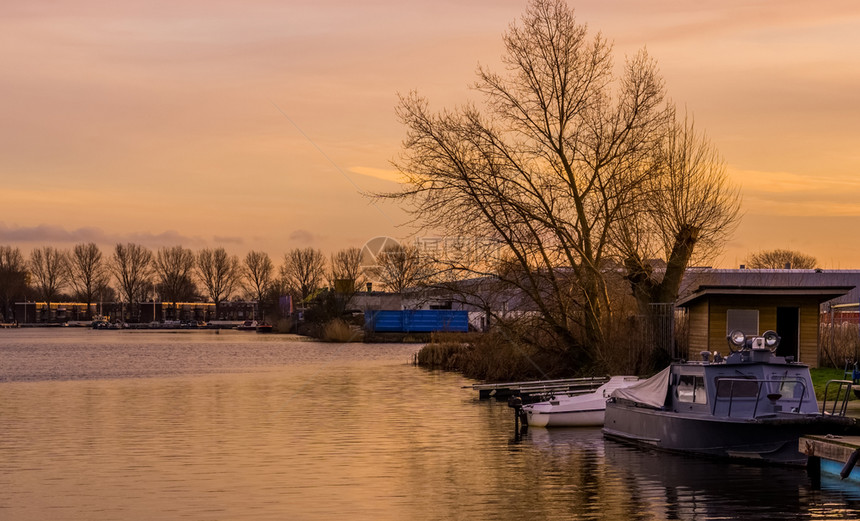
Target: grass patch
x,y
820,377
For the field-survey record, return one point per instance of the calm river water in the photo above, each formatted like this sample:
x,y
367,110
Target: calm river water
x,y
127,425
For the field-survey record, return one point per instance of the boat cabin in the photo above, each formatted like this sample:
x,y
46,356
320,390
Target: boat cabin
x,y
751,382
741,387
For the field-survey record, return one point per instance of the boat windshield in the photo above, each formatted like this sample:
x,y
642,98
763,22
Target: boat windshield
x,y
691,389
736,386
780,393
789,386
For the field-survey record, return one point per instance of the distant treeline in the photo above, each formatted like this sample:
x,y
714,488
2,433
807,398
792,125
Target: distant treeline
x,y
133,273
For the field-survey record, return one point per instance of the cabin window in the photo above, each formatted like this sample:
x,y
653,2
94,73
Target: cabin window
x,y
745,320
738,387
789,386
691,389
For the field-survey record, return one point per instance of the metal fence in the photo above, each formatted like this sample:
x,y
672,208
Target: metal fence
x,y
661,328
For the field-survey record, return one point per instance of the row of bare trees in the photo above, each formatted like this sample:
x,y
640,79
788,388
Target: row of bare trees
x,y
133,273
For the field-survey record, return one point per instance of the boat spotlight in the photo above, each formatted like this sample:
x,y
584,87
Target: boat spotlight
x,y
771,339
737,339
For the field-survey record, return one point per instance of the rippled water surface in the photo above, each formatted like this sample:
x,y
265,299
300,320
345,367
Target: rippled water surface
x,y
128,425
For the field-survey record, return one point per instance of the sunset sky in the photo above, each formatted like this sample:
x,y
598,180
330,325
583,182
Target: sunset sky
x,y
256,124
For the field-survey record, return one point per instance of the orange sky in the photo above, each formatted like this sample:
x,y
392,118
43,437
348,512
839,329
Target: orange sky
x,y
254,125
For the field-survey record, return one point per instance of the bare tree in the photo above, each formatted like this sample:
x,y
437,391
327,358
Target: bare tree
x,y
687,203
174,267
257,270
346,277
49,268
131,265
219,273
346,271
401,267
547,171
105,293
88,272
13,279
781,259
303,271
555,169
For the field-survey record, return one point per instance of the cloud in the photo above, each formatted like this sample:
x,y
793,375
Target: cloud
x,y
49,233
302,237
695,21
378,173
786,193
228,239
58,235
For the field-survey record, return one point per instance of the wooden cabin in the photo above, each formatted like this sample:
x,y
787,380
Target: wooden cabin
x,y
754,301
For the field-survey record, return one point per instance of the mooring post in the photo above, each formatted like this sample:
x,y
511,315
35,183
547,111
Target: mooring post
x,y
813,470
849,465
521,423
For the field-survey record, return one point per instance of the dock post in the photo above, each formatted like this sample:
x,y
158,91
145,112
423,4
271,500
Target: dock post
x,y
828,453
813,470
849,465
521,424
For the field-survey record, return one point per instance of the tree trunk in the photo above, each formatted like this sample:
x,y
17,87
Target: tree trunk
x,y
645,288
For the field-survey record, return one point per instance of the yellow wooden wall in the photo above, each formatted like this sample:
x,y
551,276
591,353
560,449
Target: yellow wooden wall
x,y
698,329
708,322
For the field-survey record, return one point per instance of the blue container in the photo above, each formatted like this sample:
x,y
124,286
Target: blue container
x,y
416,321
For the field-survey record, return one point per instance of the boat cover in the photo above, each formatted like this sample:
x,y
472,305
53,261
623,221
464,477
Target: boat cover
x,y
648,392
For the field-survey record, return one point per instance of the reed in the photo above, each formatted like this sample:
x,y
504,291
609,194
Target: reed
x,y
339,331
840,343
490,357
443,355
284,325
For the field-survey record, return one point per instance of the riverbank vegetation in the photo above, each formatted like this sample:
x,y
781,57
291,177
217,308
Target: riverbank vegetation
x,y
338,330
520,351
840,343
496,358
492,357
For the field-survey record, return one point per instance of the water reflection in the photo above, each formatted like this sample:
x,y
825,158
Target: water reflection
x,y
313,431
655,485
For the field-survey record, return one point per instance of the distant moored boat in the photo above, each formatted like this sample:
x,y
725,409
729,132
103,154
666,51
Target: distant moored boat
x,y
264,328
248,325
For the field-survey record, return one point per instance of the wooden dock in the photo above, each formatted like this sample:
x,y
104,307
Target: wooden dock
x,y
834,455
534,389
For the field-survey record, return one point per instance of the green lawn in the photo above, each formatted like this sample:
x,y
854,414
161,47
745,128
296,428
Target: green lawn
x,y
820,377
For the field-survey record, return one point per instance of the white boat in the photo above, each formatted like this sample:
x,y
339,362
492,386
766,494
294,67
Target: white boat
x,y
581,410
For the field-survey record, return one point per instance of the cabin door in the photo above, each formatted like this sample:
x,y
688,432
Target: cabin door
x,y
788,328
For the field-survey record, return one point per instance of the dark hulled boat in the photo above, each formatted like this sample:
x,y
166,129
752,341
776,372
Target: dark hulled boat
x,y
750,405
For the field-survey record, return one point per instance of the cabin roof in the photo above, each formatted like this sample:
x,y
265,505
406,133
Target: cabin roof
x,y
821,285
819,293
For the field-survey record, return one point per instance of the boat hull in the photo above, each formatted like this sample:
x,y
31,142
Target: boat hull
x,y
585,418
583,410
772,439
